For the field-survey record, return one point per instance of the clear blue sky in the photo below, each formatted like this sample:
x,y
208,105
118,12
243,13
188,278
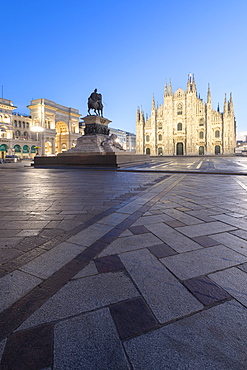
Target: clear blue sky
x,y
63,50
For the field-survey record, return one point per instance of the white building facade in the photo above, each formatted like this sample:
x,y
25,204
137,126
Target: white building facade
x,y
185,125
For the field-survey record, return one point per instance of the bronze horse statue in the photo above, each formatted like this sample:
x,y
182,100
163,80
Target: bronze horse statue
x,y
95,103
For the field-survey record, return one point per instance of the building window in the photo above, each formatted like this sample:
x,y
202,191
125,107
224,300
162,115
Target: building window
x,y
147,150
23,125
17,134
15,123
27,125
160,137
19,124
160,152
201,134
179,127
147,138
217,133
25,135
179,109
201,122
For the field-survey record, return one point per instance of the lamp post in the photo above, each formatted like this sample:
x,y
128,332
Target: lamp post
x,y
37,129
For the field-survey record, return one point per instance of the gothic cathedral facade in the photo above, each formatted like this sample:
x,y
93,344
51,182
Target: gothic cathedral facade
x,y
185,125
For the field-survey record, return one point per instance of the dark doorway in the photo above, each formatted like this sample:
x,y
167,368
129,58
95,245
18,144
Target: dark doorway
x,y
217,150
180,149
201,150
147,150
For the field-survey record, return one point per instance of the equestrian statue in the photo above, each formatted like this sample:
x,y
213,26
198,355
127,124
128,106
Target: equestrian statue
x,y
95,103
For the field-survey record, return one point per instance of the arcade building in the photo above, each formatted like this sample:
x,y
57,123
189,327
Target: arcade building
x,y
48,130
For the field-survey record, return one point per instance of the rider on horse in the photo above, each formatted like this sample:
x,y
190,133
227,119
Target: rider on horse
x,y
95,103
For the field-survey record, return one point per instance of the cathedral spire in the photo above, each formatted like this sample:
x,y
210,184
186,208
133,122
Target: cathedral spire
x,y
191,84
225,105
231,103
170,88
209,94
153,103
165,90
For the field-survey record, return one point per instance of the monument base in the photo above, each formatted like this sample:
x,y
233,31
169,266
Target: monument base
x,y
91,144
93,159
95,148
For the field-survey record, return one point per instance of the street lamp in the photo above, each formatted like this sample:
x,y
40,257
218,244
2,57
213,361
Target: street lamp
x,y
37,129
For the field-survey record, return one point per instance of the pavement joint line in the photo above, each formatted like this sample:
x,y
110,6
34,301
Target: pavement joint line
x,y
13,316
185,172
241,184
68,234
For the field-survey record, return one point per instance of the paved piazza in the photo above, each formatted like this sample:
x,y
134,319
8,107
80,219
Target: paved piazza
x,y
136,268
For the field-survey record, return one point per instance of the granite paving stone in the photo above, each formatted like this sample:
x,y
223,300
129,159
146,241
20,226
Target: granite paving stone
x,y
205,290
88,342
232,241
89,270
201,262
146,220
113,219
138,230
8,254
212,339
87,293
183,217
165,295
108,264
233,281
46,264
238,223
13,286
132,317
90,235
243,267
174,223
162,250
205,229
23,225
173,238
205,241
240,233
129,243
30,349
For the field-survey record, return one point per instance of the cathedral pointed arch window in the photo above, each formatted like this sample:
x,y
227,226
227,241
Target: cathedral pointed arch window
x,y
179,109
201,122
179,126
217,133
160,137
201,135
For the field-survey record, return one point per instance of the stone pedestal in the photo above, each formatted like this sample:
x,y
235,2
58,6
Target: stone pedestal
x,y
95,148
96,138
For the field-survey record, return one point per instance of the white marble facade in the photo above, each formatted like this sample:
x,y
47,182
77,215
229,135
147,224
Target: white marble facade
x,y
185,125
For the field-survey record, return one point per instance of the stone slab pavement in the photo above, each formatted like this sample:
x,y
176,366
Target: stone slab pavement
x,y
122,269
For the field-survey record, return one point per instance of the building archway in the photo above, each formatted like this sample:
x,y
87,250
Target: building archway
x,y
62,136
217,150
3,150
160,151
180,149
147,150
201,150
